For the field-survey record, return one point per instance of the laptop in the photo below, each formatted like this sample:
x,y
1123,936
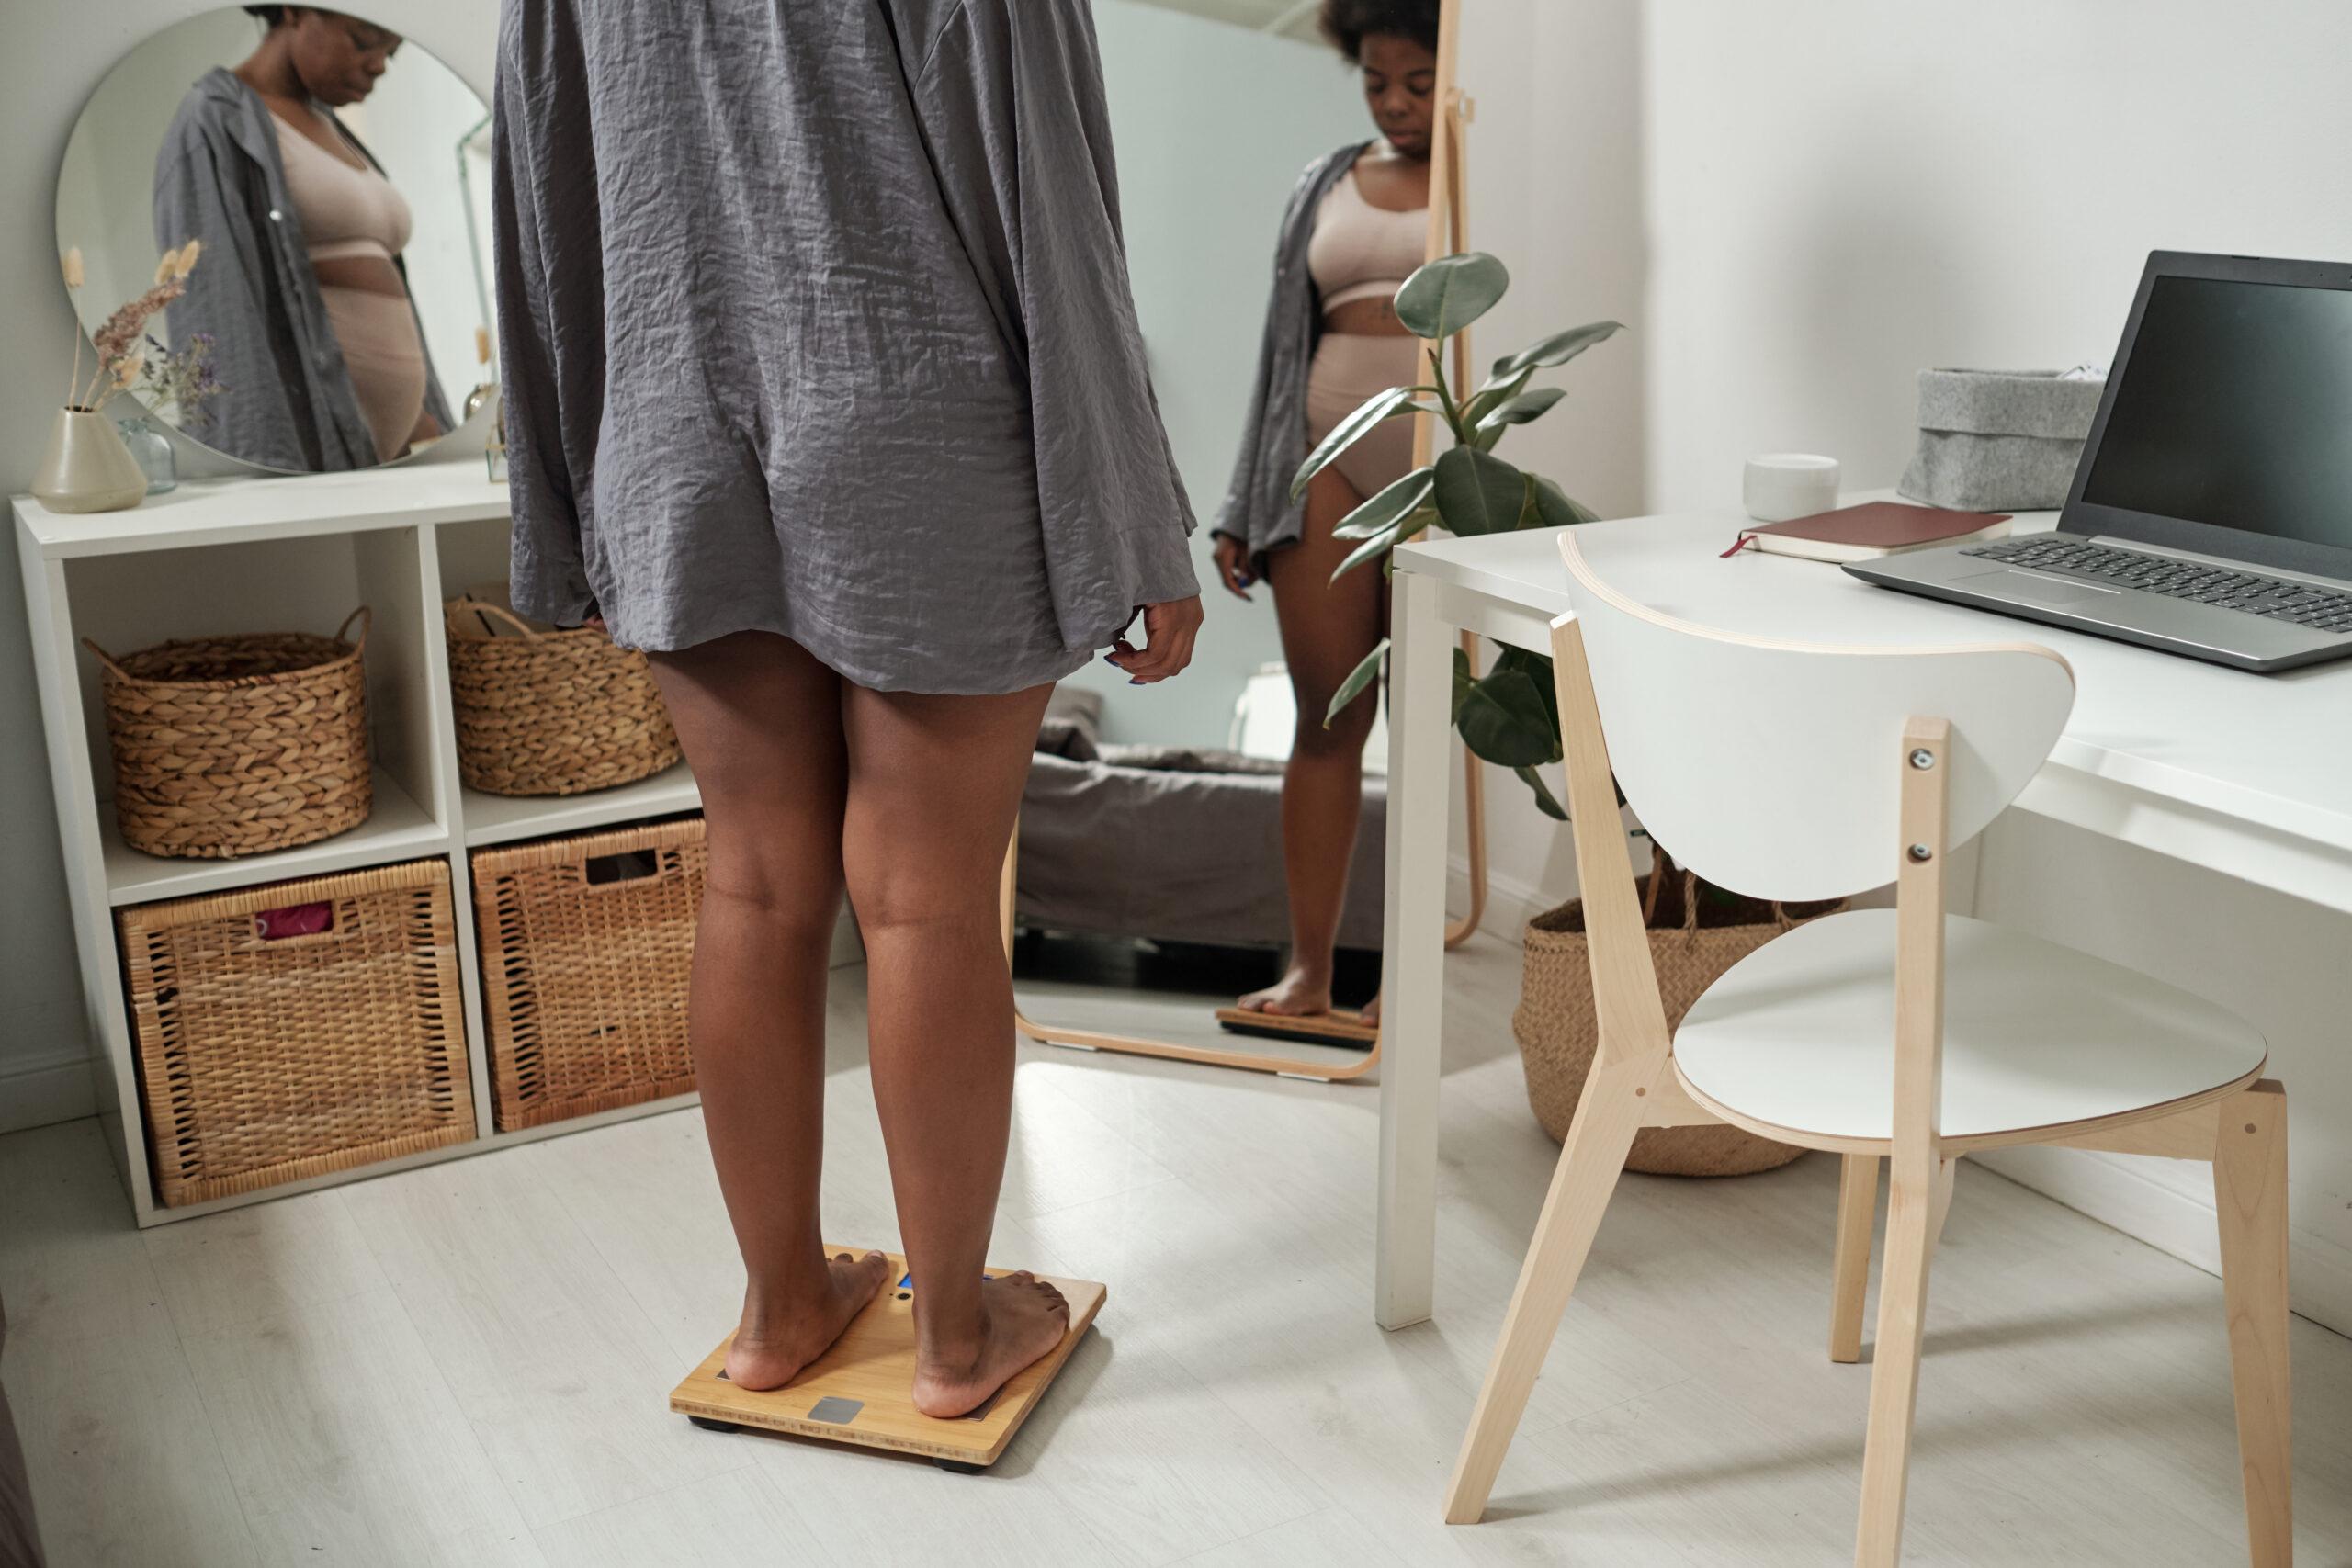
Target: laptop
x,y
2211,512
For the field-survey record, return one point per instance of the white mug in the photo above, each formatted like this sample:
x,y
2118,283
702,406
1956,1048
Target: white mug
x,y
1781,485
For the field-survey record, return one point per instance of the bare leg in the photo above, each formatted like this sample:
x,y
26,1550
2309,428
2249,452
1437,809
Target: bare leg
x,y
1328,627
760,719
934,786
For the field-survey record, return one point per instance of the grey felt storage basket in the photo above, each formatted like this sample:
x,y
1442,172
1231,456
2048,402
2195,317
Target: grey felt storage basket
x,y
1999,440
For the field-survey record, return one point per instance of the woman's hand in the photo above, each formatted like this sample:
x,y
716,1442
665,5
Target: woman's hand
x,y
1169,631
1233,565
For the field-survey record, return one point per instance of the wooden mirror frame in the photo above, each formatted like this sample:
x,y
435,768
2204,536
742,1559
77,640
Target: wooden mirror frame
x,y
1448,232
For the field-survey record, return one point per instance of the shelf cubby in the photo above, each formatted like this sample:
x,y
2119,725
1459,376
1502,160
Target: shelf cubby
x,y
286,555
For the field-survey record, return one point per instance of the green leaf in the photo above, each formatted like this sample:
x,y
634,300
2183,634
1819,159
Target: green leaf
x,y
1504,719
1478,492
1493,395
1556,510
1557,349
1537,667
1519,410
1378,545
1463,681
1543,799
1362,676
1386,509
1354,428
1448,294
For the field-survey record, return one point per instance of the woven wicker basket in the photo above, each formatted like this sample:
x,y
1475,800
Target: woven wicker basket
x,y
231,746
584,978
547,712
263,1060
1558,1032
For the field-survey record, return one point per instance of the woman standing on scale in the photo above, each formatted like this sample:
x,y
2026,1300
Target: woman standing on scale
x,y
824,387
1356,228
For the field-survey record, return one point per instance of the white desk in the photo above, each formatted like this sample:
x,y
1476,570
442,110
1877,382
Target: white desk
x,y
2249,775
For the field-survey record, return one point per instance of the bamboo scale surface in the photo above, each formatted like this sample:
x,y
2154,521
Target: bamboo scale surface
x,y
861,1391
1341,1026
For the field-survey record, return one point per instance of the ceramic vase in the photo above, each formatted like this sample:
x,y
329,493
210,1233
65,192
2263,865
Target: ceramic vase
x,y
86,468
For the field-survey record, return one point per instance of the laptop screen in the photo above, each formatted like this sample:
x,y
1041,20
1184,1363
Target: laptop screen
x,y
2235,409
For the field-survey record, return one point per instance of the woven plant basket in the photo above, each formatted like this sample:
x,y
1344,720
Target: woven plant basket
x,y
233,746
265,1059
1557,1030
546,711
586,945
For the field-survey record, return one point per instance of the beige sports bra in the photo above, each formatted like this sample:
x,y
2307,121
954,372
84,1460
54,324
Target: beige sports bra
x,y
1363,252
346,211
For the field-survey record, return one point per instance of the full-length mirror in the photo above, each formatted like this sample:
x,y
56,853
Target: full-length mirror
x,y
333,173
1190,846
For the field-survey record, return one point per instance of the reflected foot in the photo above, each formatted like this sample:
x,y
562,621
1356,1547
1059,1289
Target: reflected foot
x,y
1298,994
1024,1317
774,1341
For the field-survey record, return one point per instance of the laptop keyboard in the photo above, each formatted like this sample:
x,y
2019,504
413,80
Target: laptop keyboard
x,y
2278,599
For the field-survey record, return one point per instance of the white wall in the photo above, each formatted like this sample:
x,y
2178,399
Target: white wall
x,y
1213,124
61,49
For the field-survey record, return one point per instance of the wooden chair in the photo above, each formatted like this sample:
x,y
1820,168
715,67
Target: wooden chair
x,y
1794,772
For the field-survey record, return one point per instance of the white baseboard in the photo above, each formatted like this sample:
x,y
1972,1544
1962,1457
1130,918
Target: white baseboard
x,y
1510,903
2132,1193
52,1086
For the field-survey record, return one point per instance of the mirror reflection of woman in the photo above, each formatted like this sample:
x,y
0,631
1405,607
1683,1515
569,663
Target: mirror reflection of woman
x,y
314,331
1356,228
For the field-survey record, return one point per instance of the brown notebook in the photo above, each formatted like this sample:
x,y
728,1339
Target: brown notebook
x,y
1873,529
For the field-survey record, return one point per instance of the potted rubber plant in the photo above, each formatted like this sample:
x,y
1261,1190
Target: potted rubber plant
x,y
1509,715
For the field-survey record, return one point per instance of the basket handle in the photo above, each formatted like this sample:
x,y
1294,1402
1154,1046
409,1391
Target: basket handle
x,y
107,659
1781,919
367,619
468,604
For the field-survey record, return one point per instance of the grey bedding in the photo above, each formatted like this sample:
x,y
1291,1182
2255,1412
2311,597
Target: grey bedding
x,y
1174,843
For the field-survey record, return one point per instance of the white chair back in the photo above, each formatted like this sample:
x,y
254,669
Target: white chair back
x,y
1771,768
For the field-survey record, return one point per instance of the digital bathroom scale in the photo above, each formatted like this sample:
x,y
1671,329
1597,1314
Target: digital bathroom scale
x,y
861,1391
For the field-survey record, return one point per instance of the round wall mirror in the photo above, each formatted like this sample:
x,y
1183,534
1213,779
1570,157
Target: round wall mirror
x,y
336,177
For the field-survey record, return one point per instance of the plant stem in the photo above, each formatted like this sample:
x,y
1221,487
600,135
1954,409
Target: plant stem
x,y
1445,398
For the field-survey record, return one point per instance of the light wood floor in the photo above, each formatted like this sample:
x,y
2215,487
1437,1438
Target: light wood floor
x,y
466,1364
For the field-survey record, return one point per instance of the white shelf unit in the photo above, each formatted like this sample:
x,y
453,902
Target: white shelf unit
x,y
285,555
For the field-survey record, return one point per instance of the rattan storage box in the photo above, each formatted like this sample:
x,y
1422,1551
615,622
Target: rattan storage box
x,y
266,1059
586,943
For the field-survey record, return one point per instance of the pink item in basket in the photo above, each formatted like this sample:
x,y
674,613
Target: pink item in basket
x,y
295,919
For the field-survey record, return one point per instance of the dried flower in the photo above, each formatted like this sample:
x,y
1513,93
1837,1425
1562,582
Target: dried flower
x,y
186,378
73,275
189,252
127,370
164,267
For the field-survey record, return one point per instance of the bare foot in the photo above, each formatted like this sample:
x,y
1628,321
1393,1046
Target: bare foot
x,y
1026,1319
773,1343
1296,995
1370,1013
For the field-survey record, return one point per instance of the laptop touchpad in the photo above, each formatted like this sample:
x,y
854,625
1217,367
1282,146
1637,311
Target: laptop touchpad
x,y
2032,588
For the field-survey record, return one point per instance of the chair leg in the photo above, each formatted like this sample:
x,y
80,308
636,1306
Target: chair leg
x,y
1911,1215
2250,1198
1947,1174
1608,1116
1850,1273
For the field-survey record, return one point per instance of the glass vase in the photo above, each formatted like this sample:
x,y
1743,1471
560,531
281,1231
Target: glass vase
x,y
153,451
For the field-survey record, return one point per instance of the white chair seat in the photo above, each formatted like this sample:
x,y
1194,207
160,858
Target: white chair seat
x,y
1800,1034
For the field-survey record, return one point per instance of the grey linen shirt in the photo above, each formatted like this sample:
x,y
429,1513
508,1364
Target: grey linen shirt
x,y
1258,508
815,319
